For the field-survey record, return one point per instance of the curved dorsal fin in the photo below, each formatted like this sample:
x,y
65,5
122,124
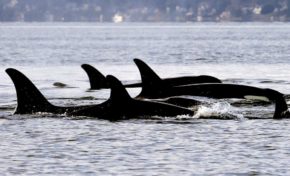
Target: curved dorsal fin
x,y
29,98
118,91
152,84
147,74
97,79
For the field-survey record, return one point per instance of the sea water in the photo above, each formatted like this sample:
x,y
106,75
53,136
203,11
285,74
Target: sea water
x,y
255,54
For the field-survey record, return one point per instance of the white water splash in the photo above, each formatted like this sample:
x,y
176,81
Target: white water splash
x,y
220,110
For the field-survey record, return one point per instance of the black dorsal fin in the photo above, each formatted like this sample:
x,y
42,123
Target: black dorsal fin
x,y
147,74
118,91
29,98
281,108
97,79
152,84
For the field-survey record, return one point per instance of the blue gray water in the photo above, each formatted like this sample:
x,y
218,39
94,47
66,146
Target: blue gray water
x,y
255,54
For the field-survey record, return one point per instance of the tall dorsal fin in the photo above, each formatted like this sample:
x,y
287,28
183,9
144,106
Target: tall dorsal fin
x,y
148,76
29,98
151,83
97,79
118,91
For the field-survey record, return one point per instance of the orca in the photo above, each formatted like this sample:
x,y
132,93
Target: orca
x,y
147,73
218,91
153,85
119,106
154,88
30,100
98,81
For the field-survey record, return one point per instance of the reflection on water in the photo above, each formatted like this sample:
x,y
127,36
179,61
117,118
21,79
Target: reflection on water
x,y
254,54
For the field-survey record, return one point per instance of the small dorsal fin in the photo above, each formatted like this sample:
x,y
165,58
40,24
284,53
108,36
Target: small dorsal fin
x,y
281,108
97,79
152,84
29,98
118,91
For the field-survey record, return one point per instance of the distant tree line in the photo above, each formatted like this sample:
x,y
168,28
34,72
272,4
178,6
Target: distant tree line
x,y
144,10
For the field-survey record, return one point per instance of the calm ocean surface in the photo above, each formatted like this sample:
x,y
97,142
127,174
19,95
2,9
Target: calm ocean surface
x,y
255,54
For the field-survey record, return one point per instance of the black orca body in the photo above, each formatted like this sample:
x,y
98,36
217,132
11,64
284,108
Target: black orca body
x,y
220,91
98,81
119,106
148,75
154,87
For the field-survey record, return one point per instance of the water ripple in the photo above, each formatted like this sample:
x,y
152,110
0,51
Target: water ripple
x,y
46,144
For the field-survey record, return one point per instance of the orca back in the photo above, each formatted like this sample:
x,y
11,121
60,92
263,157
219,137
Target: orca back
x,y
113,109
